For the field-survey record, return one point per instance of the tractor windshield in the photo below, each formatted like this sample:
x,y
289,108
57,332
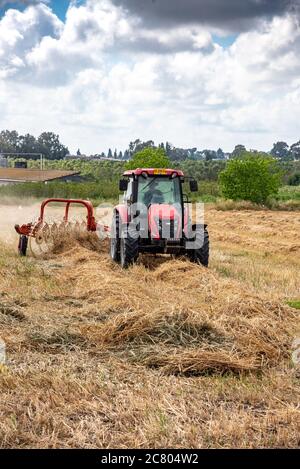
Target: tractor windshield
x,y
159,190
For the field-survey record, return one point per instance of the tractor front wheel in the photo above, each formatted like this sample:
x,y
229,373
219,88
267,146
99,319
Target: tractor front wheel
x,y
200,253
129,247
23,243
115,239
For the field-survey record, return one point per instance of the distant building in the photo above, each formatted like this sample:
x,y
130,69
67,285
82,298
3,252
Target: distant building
x,y
19,175
76,157
109,159
21,164
90,158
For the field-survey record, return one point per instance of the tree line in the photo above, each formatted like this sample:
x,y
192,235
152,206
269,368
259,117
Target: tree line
x,y
280,150
48,144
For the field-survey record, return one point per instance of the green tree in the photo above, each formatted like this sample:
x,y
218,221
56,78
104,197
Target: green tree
x,y
149,158
138,145
9,141
294,180
238,151
280,150
51,147
250,177
168,148
209,155
295,150
28,144
220,154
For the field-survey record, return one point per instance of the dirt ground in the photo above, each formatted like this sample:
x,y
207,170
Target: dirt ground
x,y
166,354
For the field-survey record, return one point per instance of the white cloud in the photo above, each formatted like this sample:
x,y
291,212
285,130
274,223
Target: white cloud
x,y
100,79
21,32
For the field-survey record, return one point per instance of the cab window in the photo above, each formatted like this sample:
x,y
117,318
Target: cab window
x,y
159,190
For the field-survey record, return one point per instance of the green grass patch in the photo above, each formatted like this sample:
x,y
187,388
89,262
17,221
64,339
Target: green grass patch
x,y
94,191
294,304
289,193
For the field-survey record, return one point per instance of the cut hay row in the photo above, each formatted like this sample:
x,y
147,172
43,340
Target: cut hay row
x,y
176,316
166,354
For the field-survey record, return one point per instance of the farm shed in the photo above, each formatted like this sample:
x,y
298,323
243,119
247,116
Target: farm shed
x,y
19,175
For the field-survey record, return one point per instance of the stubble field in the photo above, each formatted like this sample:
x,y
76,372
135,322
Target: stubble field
x,y
166,354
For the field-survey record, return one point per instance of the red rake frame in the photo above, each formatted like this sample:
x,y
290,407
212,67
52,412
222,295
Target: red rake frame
x,y
30,229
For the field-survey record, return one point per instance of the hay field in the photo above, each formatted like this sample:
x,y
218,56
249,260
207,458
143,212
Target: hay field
x,y
166,354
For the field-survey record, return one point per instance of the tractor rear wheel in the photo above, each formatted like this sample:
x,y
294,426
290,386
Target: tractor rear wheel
x,y
129,247
115,238
23,243
200,254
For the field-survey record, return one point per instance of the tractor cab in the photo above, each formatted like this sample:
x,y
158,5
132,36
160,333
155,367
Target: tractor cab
x,y
153,216
155,186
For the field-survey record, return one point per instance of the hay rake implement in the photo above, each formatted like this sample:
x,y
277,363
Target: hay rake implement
x,y
41,235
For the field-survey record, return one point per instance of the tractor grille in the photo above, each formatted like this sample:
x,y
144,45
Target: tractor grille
x,y
167,228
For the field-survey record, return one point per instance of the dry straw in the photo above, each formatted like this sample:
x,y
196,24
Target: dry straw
x,y
174,315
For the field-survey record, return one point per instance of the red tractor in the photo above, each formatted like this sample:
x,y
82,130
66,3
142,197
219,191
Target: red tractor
x,y
154,218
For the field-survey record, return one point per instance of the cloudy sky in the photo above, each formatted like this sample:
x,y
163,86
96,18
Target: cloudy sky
x,y
205,73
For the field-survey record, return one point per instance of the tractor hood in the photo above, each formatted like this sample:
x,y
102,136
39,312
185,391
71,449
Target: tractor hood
x,y
164,221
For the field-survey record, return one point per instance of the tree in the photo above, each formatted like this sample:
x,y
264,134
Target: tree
x,y
178,154
295,150
238,151
252,177
220,154
9,141
51,147
149,158
294,180
209,155
280,150
168,148
138,145
28,144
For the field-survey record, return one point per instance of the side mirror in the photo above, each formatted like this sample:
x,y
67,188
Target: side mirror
x,y
193,186
123,185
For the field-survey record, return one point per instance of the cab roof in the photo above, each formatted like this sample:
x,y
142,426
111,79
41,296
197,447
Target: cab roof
x,y
153,172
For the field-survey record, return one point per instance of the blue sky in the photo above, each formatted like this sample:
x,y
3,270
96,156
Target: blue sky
x,y
225,41
59,6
